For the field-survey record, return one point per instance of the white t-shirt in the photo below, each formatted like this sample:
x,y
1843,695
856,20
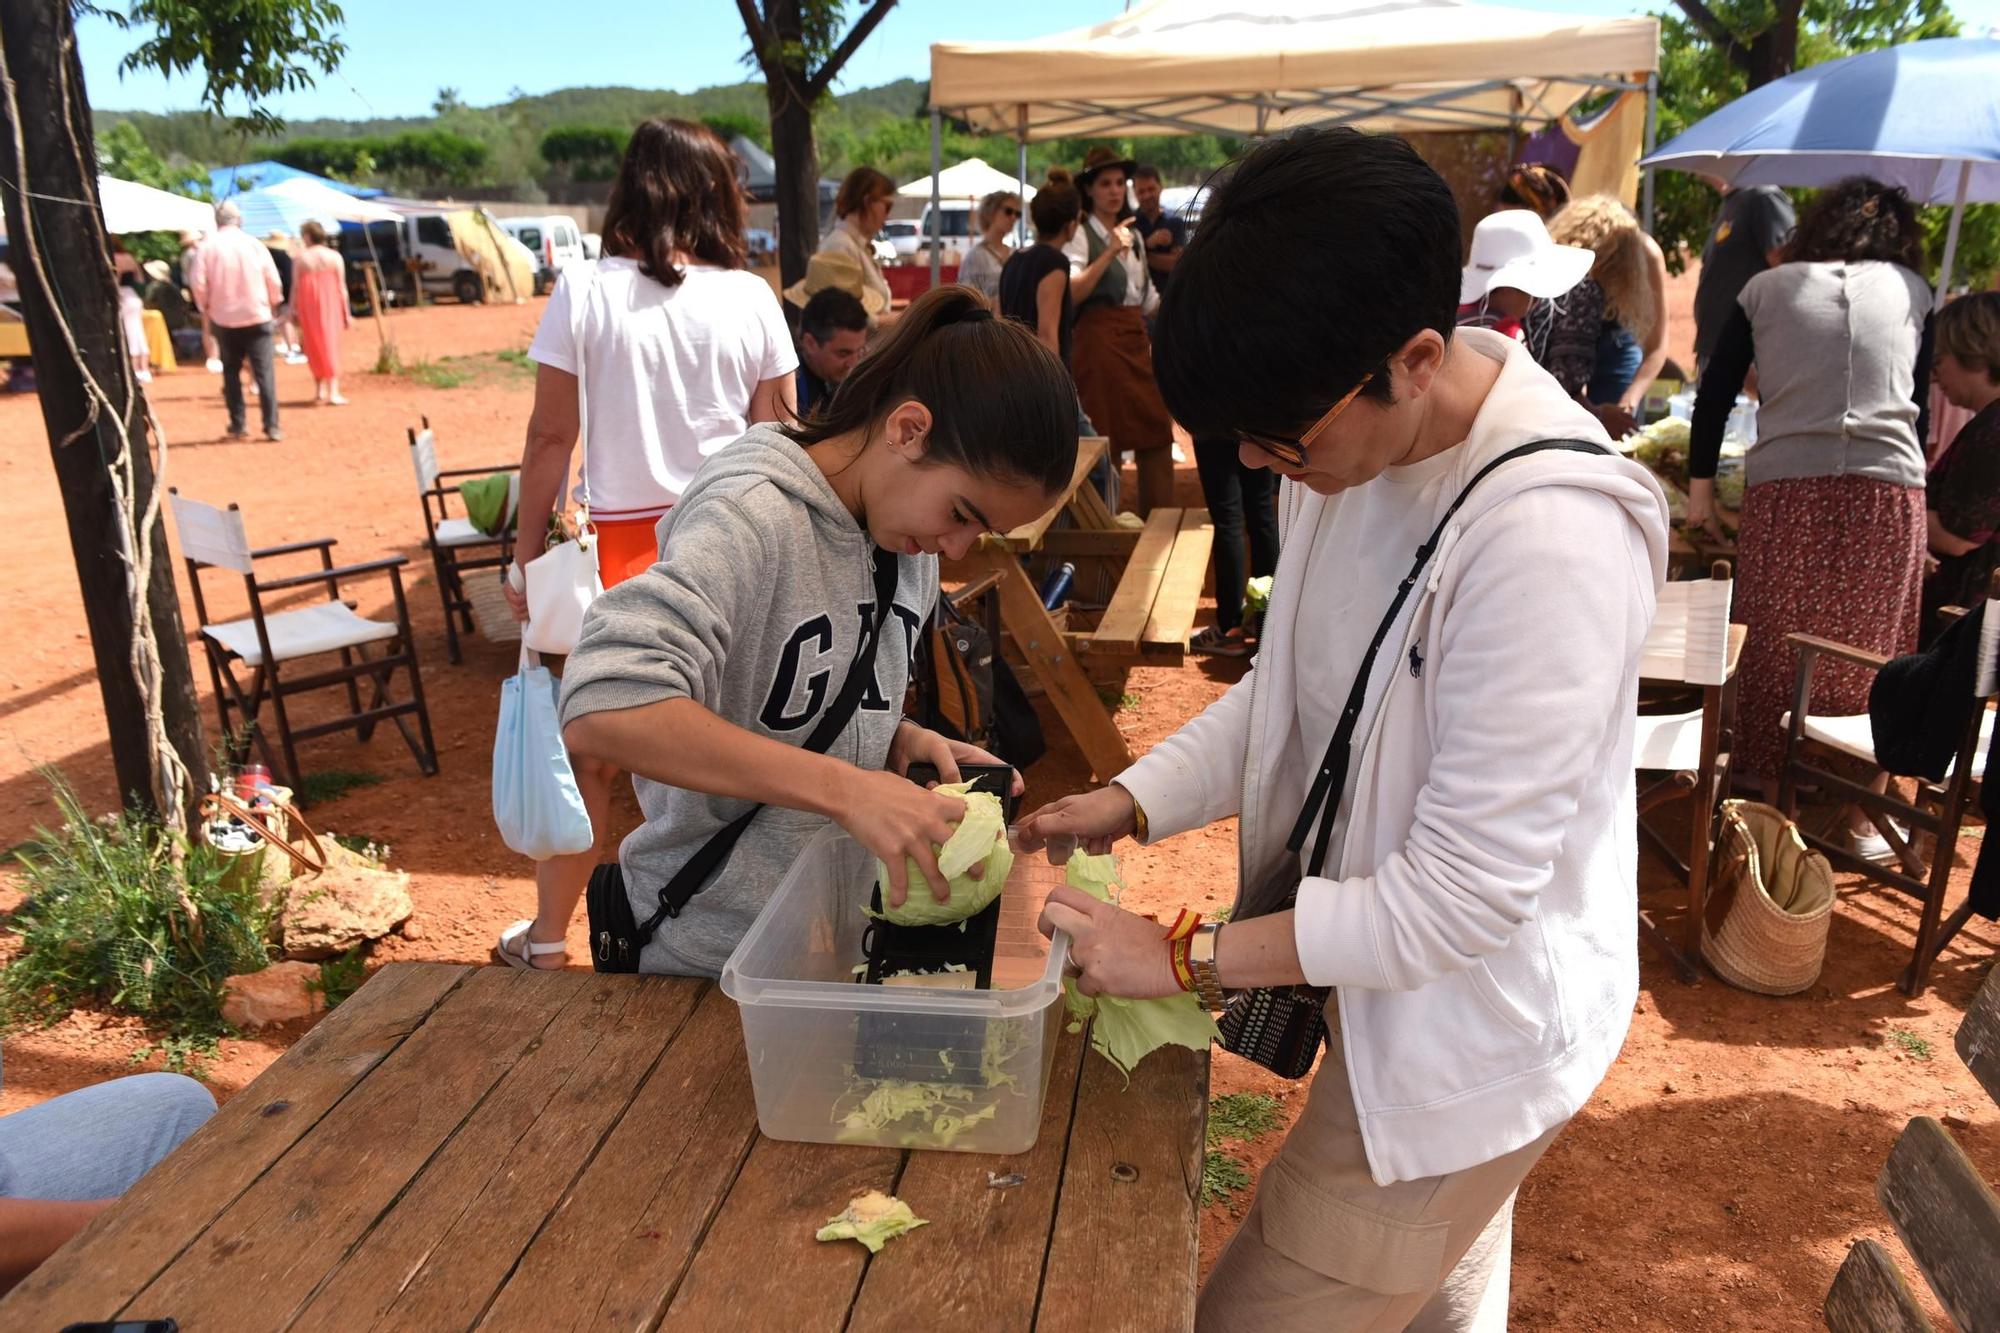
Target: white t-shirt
x,y
1138,291
668,373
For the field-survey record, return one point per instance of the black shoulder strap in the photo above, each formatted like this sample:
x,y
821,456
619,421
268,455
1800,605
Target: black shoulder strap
x,y
695,874
1331,779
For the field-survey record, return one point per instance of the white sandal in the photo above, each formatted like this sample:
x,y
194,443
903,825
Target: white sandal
x,y
516,950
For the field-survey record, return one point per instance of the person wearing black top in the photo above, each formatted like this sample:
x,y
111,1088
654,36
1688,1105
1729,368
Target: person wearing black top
x,y
833,330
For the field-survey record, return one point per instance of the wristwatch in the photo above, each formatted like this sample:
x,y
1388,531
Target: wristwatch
x,y
1201,965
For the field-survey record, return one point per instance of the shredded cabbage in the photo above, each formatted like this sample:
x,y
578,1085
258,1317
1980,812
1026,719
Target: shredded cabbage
x,y
1127,1031
979,840
873,1218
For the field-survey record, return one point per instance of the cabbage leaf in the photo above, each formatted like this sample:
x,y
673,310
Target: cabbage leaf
x,y
1127,1031
873,1218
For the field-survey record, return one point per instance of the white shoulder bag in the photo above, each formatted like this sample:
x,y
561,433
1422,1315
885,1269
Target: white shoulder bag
x,y
563,581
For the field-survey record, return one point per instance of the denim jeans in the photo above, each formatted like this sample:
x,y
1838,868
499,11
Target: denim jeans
x,y
96,1142
252,341
1239,499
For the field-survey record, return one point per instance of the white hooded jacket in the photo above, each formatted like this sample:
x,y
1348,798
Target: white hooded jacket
x,y
1479,918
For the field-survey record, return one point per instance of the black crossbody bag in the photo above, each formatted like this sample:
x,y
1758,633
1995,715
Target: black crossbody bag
x,y
617,937
1283,1027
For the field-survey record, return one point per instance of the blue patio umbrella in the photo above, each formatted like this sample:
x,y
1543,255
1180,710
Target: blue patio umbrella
x,y
1925,116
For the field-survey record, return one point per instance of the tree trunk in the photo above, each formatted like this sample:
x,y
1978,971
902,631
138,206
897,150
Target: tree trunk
x,y
56,161
1775,51
797,156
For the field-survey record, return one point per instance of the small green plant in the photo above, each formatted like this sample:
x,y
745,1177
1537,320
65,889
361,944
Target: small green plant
x,y
1114,697
1917,1048
1221,1177
332,784
181,1055
1241,1115
388,361
436,374
341,977
516,359
1222,914
122,913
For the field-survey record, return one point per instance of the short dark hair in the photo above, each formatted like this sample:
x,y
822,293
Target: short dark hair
x,y
832,309
1968,329
1002,404
863,184
1318,256
676,191
1537,187
1147,170
1856,219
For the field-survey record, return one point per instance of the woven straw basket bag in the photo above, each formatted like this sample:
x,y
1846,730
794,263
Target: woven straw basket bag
x,y
1766,922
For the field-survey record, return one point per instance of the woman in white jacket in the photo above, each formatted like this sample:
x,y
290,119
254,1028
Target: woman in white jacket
x,y
1467,891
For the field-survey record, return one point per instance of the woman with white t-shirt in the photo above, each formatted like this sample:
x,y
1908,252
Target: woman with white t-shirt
x,y
680,349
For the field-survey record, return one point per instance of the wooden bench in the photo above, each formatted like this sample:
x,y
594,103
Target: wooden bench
x,y
1946,1215
1151,612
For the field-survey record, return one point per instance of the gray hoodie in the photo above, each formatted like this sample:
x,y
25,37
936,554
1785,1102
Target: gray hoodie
x,y
754,612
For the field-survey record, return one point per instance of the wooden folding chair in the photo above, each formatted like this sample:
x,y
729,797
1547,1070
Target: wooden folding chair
x,y
457,547
1691,642
266,641
1938,809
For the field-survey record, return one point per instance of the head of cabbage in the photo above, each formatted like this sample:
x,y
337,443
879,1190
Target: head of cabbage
x,y
979,841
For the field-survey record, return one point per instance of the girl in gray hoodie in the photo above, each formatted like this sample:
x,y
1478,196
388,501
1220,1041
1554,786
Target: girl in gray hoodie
x,y
704,676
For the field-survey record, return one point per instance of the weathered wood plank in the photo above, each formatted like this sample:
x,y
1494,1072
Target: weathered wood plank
x,y
1180,587
129,1245
999,1237
1028,536
1949,1219
1130,1199
1122,628
1058,670
760,1254
1869,1295
448,1244
1978,1039
614,1251
262,1258
1075,543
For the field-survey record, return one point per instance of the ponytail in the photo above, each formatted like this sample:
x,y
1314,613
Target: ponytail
x,y
1001,403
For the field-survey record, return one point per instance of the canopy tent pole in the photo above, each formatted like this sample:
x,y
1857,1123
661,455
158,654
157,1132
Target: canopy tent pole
x,y
1652,134
1951,236
937,204
1021,137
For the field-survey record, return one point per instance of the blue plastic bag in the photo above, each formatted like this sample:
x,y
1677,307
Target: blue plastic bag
x,y
536,805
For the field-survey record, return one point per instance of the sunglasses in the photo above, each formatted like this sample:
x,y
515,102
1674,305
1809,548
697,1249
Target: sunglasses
x,y
1006,212
1292,452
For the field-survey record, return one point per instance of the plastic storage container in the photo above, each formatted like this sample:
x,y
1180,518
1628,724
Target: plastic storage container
x,y
906,1066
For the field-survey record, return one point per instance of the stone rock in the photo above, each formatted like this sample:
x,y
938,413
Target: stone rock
x,y
345,905
278,994
413,929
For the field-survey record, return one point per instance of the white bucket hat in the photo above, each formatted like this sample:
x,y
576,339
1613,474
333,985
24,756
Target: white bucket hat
x,y
1512,249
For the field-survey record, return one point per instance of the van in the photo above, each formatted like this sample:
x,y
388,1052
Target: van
x,y
426,238
958,235
555,241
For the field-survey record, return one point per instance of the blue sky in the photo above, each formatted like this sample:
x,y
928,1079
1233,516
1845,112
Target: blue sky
x,y
400,53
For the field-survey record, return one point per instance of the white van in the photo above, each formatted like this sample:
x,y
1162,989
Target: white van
x,y
555,241
959,228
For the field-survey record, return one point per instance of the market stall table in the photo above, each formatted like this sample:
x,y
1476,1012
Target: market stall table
x,y
459,1147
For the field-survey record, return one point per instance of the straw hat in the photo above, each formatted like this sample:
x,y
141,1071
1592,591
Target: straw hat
x,y
1512,249
276,237
832,268
1097,159
157,270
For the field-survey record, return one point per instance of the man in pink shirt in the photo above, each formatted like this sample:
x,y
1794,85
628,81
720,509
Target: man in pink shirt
x,y
236,286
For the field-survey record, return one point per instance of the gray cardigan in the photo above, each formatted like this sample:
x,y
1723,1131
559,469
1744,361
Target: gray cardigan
x,y
1837,348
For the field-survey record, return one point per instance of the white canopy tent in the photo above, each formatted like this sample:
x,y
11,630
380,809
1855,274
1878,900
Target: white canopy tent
x,y
1255,67
971,179
129,207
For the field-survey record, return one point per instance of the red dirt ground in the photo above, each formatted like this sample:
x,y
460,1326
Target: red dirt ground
x,y
1715,1180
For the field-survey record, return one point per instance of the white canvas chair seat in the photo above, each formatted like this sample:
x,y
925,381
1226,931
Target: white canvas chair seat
x,y
1669,744
325,627
460,532
1854,736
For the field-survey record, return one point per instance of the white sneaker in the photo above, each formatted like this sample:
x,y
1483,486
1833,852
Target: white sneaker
x,y
295,358
1872,846
215,365
143,376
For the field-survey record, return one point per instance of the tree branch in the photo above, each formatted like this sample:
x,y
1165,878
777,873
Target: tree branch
x,y
1716,30
822,79
757,30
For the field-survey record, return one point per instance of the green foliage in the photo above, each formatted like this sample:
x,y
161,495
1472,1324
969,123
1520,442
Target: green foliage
x,y
331,784
753,126
341,977
248,49
434,157
1978,260
584,152
1221,1177
187,1054
1241,1115
122,913
341,159
1910,1044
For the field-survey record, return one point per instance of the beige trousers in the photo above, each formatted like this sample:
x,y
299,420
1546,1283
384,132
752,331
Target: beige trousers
x,y
1324,1248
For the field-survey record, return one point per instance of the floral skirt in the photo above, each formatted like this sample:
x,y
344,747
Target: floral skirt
x,y
1837,557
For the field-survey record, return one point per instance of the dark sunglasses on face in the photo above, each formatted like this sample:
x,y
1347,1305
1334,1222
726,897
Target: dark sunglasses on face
x,y
1010,212
1292,452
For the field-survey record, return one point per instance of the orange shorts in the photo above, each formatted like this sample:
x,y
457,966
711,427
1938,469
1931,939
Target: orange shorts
x,y
625,547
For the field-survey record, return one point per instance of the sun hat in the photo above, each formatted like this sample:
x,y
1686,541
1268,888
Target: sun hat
x,y
276,237
157,270
1097,159
1512,249
832,268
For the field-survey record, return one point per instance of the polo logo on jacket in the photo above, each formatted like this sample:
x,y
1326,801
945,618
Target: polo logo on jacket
x,y
804,681
1417,659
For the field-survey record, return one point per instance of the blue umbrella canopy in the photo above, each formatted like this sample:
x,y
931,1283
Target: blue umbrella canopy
x,y
1925,116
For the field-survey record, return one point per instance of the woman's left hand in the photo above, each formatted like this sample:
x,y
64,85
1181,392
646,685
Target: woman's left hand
x,y
920,745
1114,952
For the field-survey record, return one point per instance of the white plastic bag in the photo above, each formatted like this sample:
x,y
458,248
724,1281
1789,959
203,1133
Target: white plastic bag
x,y
561,584
536,804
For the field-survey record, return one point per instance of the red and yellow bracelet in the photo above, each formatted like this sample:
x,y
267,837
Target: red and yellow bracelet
x,y
1179,939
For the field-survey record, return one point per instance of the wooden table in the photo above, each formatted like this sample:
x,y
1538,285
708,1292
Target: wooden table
x,y
464,1147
